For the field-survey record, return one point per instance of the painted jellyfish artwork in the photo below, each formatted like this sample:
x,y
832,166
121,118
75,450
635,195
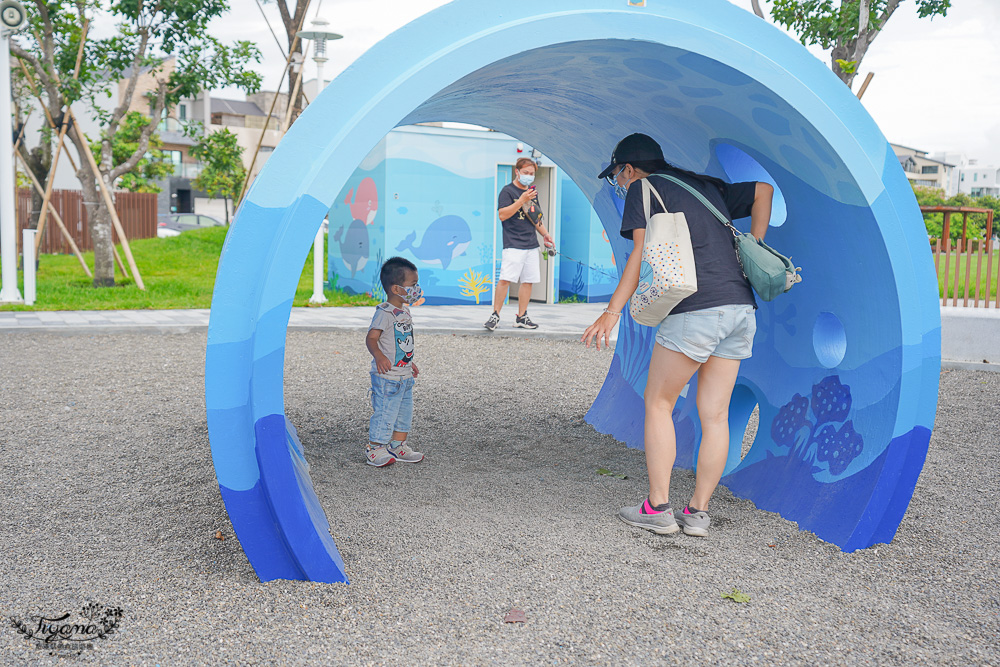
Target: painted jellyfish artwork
x,y
845,367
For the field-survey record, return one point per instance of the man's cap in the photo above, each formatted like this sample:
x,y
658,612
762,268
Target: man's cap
x,y
633,148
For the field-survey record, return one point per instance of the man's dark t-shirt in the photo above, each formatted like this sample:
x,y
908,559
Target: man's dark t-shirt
x,y
720,277
518,232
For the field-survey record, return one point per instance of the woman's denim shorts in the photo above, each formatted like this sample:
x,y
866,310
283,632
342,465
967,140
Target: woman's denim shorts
x,y
720,331
392,402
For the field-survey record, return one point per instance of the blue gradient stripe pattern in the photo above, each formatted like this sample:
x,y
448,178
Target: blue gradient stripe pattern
x,y
708,80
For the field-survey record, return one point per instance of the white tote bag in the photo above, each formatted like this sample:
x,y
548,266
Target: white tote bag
x,y
667,273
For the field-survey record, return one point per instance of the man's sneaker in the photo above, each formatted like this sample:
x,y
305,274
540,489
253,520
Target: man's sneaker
x,y
662,523
524,322
402,453
494,320
379,456
693,522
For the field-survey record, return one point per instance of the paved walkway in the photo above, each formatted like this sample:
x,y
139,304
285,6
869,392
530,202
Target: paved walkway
x,y
560,321
968,341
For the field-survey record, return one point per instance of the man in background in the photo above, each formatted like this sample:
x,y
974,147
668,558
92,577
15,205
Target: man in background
x,y
520,261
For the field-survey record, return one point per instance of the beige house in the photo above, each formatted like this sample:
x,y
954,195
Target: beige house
x,y
925,171
244,118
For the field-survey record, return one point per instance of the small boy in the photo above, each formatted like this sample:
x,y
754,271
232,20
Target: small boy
x,y
390,341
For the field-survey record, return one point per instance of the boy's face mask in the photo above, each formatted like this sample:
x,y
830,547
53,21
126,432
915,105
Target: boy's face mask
x,y
412,294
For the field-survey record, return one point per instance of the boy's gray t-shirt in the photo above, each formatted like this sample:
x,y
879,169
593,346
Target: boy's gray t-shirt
x,y
396,341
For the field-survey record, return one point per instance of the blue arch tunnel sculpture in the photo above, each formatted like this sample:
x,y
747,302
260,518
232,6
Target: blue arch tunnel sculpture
x,y
845,366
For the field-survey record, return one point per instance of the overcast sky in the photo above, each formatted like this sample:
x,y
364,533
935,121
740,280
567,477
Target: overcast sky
x,y
936,85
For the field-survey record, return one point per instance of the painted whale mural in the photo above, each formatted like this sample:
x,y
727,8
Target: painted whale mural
x,y
363,203
445,239
354,245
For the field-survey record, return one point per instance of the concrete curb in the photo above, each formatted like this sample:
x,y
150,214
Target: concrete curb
x,y
970,338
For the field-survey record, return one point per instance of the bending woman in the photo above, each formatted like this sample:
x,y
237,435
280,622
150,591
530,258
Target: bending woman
x,y
707,333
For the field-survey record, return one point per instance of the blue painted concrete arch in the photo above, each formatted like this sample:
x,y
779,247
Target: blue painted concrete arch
x,y
845,366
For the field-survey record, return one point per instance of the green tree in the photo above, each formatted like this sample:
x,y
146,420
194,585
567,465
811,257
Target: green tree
x,y
844,27
150,168
222,172
166,44
977,222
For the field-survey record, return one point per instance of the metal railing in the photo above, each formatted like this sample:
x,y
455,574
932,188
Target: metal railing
x,y
188,169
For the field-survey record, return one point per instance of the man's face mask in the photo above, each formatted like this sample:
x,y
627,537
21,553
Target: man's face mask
x,y
526,179
412,294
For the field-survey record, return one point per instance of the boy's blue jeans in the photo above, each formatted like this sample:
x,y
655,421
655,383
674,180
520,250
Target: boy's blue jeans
x,y
392,401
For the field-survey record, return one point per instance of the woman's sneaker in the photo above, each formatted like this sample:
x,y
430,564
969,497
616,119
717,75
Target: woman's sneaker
x,y
524,322
402,453
492,323
662,523
694,522
379,456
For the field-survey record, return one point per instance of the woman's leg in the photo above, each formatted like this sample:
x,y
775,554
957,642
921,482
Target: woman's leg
x,y
669,371
716,380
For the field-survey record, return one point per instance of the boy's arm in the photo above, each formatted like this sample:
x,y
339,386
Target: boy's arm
x,y
382,362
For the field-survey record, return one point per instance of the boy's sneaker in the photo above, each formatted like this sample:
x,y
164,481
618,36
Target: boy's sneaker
x,y
524,322
693,522
402,453
494,320
661,523
379,456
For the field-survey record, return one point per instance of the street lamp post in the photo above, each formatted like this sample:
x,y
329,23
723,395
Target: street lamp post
x,y
319,36
12,18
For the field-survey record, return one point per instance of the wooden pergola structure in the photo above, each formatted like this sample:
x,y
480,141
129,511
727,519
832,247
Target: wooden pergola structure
x,y
964,246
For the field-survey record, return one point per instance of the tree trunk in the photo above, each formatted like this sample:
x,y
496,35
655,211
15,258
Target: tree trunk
x,y
291,22
844,52
99,222
39,161
225,204
853,51
299,99
36,209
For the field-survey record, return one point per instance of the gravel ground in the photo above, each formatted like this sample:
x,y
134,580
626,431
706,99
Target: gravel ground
x,y
111,497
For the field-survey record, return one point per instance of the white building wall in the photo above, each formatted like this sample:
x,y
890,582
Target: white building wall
x,y
65,178
980,180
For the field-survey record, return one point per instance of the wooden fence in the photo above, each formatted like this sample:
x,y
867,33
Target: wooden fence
x,y
967,268
136,210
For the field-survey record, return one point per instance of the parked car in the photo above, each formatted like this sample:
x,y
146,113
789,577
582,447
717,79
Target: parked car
x,y
174,223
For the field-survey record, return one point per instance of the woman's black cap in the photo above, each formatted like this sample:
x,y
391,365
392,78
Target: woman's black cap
x,y
633,148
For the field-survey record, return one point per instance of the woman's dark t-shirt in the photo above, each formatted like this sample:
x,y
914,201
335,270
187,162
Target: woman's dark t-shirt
x,y
518,232
720,277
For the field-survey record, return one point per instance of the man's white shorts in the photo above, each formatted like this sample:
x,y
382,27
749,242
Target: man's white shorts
x,y
518,265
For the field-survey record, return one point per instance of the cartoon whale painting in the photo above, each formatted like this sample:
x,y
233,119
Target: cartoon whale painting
x,y
364,205
645,277
445,239
353,245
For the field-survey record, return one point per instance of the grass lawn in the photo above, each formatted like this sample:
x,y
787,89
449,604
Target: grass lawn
x,y
179,272
983,278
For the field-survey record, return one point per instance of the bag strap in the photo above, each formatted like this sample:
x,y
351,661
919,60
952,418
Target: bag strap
x,y
700,197
646,188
